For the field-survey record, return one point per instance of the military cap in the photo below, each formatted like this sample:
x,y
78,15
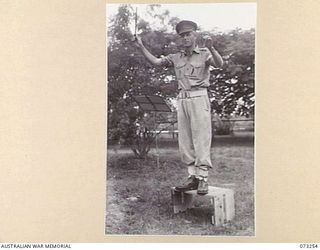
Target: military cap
x,y
185,26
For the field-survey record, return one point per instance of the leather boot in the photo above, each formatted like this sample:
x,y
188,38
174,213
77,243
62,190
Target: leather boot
x,y
202,187
190,184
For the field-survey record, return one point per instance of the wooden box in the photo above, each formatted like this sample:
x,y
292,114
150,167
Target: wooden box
x,y
220,201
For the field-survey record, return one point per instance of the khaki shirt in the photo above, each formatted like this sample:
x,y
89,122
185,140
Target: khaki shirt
x,y
191,71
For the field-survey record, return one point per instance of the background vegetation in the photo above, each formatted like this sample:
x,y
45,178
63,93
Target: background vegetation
x,y
138,185
129,74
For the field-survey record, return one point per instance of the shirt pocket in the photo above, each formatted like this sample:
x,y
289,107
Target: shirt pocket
x,y
180,70
197,69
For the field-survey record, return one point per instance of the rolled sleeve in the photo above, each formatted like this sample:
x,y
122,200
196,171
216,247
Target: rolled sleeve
x,y
167,60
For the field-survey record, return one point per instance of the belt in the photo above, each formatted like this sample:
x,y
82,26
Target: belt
x,y
184,94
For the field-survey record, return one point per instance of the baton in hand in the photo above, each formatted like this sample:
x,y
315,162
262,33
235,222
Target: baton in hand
x,y
134,38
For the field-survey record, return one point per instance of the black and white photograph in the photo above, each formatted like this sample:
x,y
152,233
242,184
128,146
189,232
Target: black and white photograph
x,y
181,119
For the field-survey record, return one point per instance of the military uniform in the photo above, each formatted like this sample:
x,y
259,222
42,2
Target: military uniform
x,y
194,115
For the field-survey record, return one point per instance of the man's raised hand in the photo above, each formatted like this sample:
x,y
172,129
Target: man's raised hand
x,y
208,41
138,41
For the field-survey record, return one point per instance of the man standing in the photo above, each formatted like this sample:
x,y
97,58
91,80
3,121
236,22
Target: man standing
x,y
194,116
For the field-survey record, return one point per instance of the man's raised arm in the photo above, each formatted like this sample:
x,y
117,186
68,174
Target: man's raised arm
x,y
217,60
151,58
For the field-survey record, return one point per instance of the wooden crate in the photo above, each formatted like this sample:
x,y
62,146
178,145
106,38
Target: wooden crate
x,y
220,201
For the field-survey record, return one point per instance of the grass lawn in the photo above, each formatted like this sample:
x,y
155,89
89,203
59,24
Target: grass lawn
x,y
138,192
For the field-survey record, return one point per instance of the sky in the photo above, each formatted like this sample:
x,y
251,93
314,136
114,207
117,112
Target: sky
x,y
218,16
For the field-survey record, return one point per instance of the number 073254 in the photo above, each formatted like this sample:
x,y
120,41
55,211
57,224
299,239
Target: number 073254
x,y
305,245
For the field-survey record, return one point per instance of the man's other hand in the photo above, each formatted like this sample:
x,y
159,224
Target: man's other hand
x,y
207,41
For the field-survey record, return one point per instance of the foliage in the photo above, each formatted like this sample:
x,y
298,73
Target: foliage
x,y
233,86
129,74
142,142
223,126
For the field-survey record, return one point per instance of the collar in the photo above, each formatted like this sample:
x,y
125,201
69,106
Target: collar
x,y
196,50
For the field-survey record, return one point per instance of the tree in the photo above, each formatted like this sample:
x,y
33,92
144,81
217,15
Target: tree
x,y
129,74
233,86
